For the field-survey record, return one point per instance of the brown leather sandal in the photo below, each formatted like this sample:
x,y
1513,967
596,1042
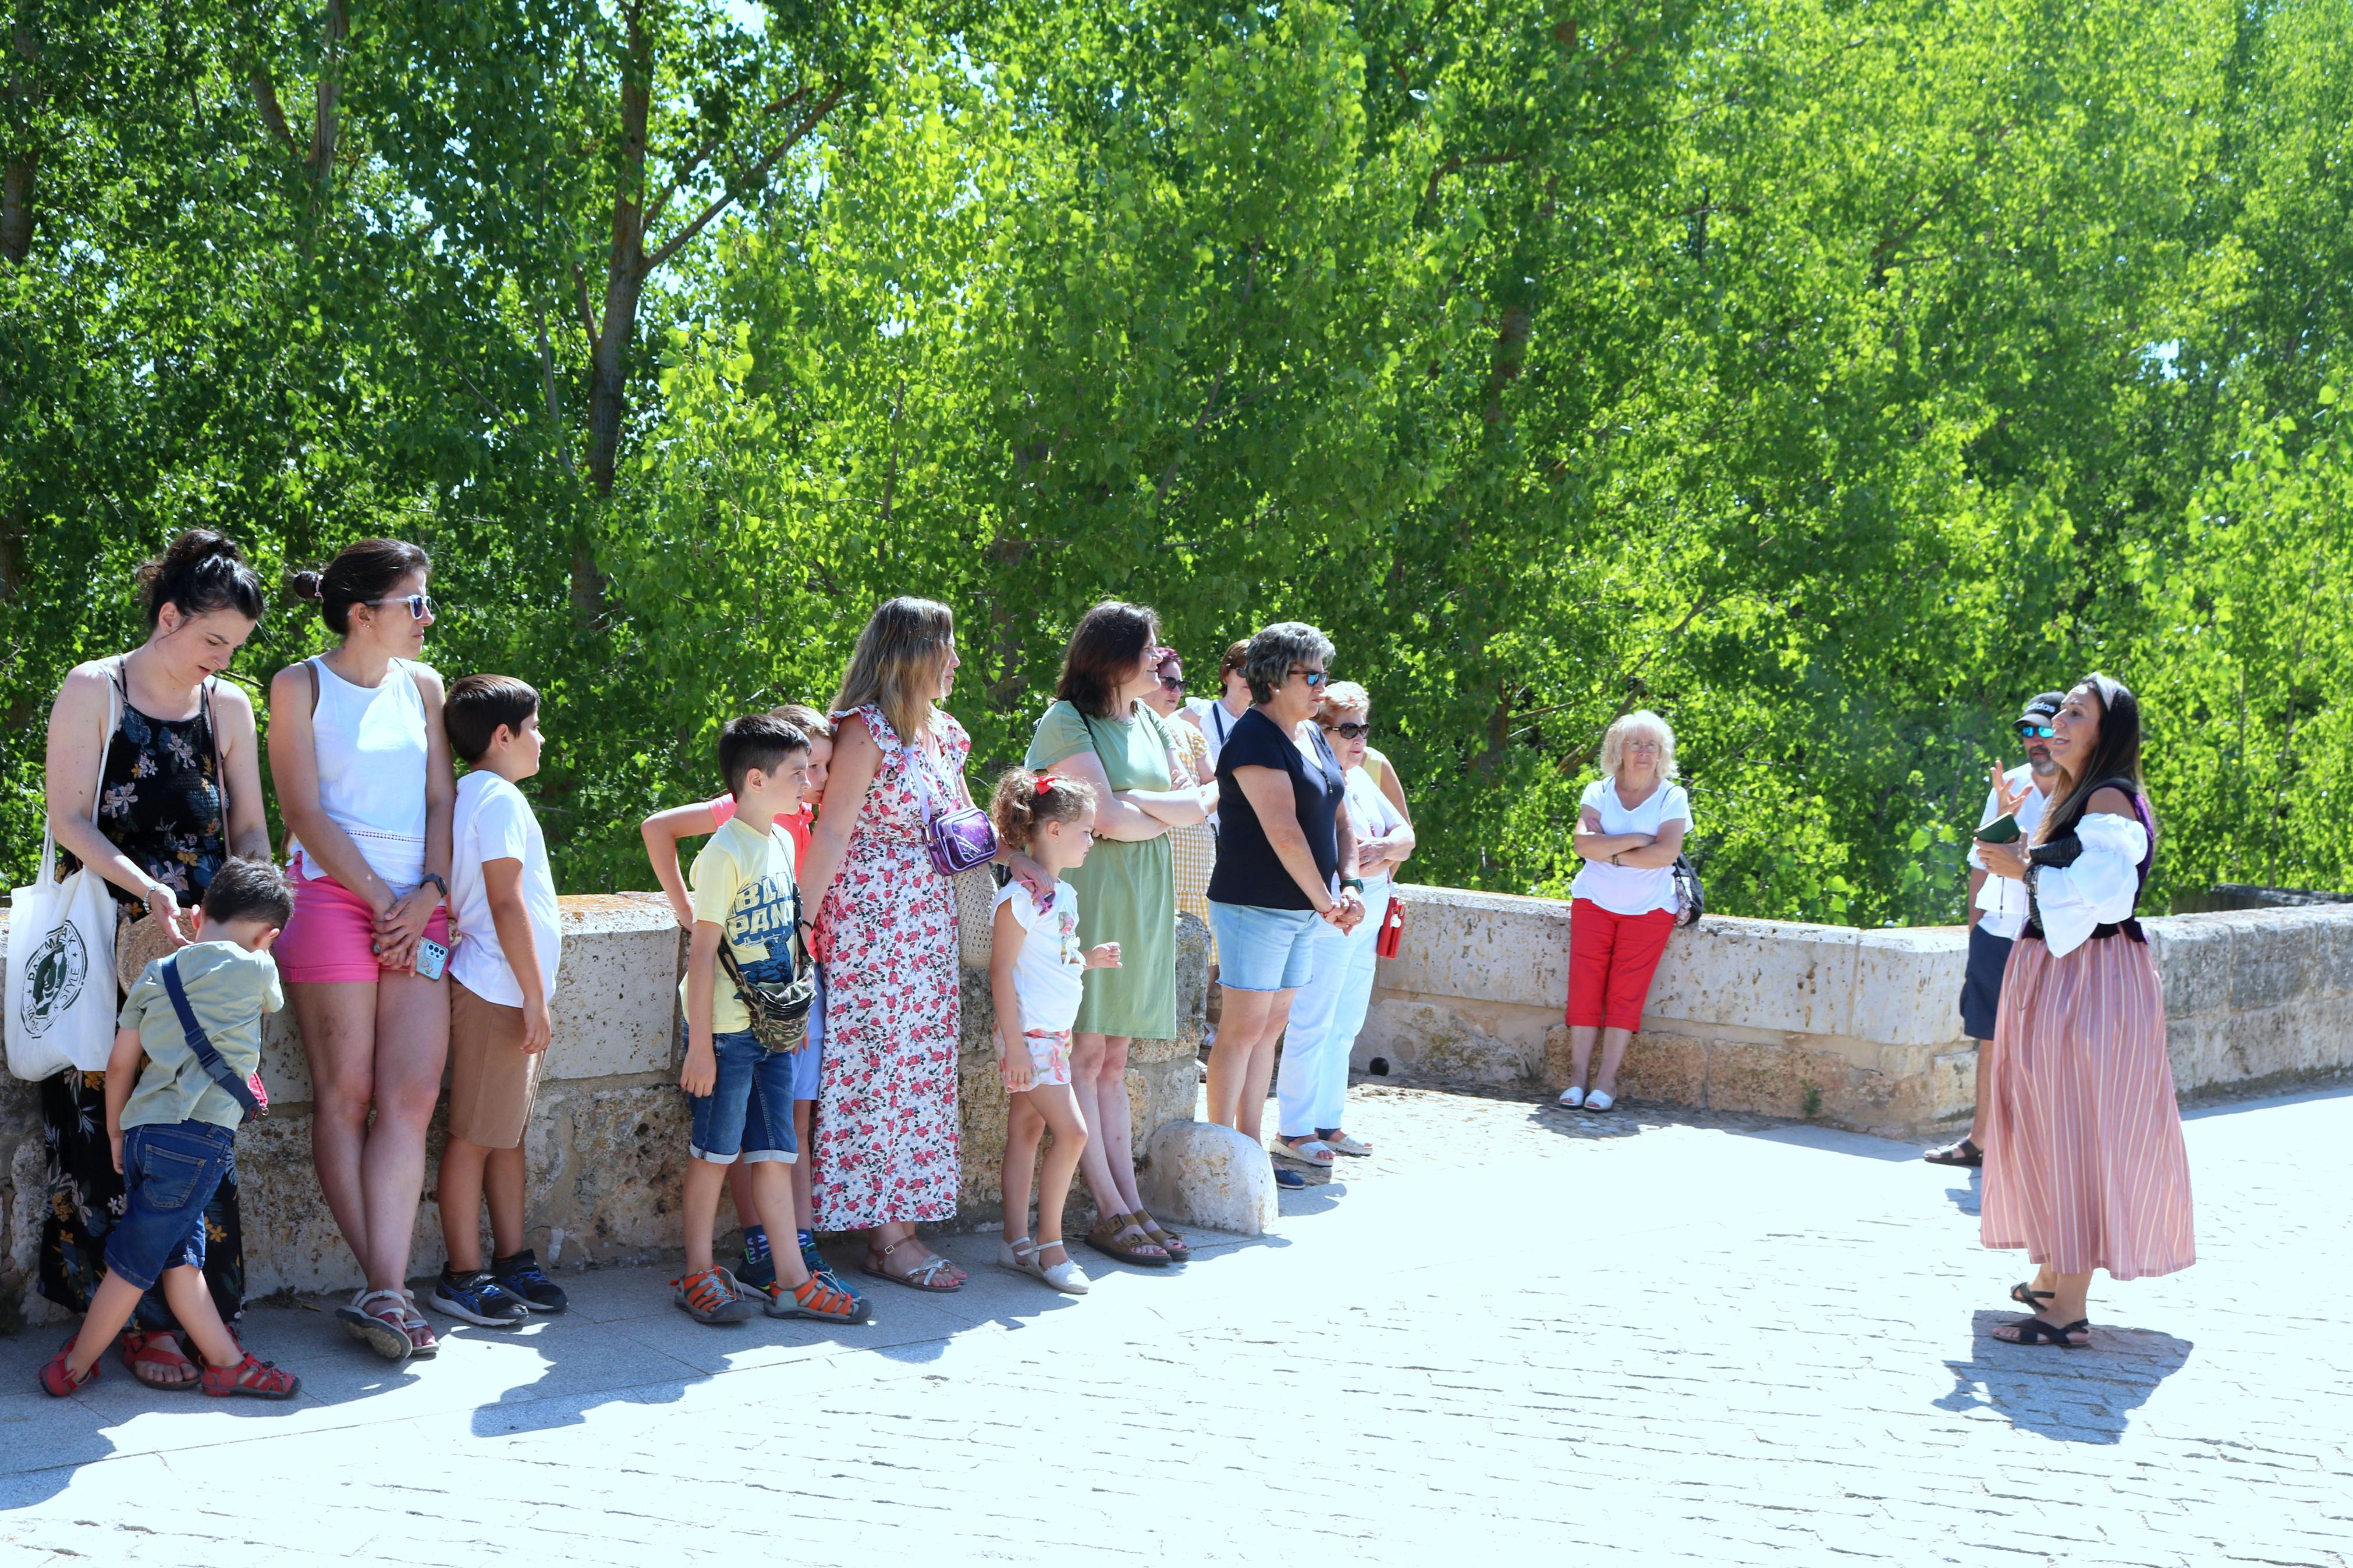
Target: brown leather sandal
x,y
1110,1237
1168,1240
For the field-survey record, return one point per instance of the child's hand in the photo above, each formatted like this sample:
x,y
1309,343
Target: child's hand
x,y
538,1026
1020,1072
1105,956
116,1139
701,1071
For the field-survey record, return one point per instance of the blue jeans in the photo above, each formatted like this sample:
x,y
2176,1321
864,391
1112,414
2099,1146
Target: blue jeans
x,y
1264,949
748,1114
169,1172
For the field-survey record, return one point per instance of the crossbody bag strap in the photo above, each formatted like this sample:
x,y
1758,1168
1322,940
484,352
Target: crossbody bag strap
x,y
220,1072
115,692
220,764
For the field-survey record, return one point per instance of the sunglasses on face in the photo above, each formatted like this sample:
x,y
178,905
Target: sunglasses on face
x,y
419,605
1350,732
1314,678
2034,732
1173,682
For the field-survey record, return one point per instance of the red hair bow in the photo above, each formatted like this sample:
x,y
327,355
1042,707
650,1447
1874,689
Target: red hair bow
x,y
1045,783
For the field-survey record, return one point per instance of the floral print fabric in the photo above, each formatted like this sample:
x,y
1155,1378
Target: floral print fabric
x,y
885,1146
160,803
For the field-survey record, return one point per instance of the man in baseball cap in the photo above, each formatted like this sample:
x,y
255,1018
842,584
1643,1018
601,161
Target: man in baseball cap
x,y
1998,906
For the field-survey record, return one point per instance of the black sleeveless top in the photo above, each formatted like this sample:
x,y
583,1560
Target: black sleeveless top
x,y
160,799
2067,848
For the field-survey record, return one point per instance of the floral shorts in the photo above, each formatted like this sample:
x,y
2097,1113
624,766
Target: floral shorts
x,y
1049,1058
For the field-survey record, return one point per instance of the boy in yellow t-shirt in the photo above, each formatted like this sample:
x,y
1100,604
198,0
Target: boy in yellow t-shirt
x,y
744,895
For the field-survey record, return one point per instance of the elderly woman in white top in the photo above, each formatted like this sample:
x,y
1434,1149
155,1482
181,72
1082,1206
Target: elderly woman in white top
x,y
1311,1085
1629,829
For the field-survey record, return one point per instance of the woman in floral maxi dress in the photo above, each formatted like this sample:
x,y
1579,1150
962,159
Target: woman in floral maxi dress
x,y
884,1152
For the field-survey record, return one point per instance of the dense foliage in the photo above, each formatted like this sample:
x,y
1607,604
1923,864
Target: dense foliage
x,y
1825,376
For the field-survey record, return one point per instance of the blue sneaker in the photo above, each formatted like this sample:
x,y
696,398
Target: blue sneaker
x,y
477,1298
521,1276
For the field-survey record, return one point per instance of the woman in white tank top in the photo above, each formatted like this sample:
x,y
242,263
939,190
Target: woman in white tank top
x,y
362,767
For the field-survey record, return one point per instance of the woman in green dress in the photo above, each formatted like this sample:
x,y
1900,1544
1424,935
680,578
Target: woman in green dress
x,y
1100,731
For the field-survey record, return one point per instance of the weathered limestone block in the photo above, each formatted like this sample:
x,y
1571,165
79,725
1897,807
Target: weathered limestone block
x,y
1201,1173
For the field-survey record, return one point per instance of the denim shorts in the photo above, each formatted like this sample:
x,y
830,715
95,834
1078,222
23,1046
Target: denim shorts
x,y
748,1114
808,1064
1262,948
169,1172
1981,982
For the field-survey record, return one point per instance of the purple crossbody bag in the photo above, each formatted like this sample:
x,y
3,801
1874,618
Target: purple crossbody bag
x,y
958,840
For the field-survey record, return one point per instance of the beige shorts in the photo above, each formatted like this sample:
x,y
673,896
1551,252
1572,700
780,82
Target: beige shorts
x,y
491,1082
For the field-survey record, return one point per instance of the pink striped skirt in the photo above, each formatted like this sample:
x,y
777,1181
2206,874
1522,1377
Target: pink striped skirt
x,y
2085,1166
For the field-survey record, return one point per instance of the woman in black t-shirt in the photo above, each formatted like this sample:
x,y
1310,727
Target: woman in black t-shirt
x,y
1286,860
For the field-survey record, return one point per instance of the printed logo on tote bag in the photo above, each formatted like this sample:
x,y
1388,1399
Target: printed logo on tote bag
x,y
58,969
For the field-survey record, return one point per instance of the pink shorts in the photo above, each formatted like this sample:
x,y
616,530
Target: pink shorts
x,y
330,939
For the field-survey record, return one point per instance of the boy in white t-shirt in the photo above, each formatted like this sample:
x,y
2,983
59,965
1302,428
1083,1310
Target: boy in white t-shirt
x,y
1034,976
501,981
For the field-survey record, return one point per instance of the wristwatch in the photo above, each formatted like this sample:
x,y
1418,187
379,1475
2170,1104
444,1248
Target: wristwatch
x,y
1613,856
434,878
1356,882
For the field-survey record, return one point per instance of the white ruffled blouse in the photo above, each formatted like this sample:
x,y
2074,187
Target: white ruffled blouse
x,y
2099,888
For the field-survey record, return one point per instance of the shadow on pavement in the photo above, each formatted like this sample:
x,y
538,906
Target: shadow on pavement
x,y
2069,1396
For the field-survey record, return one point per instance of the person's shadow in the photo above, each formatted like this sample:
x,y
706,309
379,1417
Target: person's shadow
x,y
2069,1396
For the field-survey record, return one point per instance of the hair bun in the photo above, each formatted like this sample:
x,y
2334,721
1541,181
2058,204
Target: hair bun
x,y
307,586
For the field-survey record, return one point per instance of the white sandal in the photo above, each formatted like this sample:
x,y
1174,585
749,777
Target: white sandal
x,y
382,1332
1021,1257
1572,1099
1600,1100
1304,1153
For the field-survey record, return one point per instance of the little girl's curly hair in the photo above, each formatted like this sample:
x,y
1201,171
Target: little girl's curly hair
x,y
1024,801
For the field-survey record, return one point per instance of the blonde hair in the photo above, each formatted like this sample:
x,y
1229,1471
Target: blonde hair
x,y
805,719
1639,722
1024,801
897,655
1343,696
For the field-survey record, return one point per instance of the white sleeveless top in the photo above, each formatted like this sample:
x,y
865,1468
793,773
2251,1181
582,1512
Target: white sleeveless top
x,y
1373,817
368,745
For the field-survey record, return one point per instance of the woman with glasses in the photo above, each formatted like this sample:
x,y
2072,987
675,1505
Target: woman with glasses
x,y
1629,828
154,780
1196,843
2085,1166
1286,864
1311,1085
363,781
1103,731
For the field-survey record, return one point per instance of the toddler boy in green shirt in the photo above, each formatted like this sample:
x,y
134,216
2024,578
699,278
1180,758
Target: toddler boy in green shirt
x,y
186,1072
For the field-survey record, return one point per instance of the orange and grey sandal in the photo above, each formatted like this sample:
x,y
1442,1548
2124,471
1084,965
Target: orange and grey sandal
x,y
1168,1240
253,1377
924,1276
57,1380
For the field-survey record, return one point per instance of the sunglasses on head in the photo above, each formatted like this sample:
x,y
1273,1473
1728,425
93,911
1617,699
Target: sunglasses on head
x,y
419,605
1351,731
2031,730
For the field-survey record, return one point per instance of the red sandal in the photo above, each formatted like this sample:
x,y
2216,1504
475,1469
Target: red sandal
x,y
58,1382
145,1351
252,1376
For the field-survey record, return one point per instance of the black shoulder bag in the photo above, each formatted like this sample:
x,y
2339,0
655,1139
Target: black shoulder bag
x,y
779,1008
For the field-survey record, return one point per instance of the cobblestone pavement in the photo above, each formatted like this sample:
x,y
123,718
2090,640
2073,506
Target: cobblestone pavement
x,y
1534,1337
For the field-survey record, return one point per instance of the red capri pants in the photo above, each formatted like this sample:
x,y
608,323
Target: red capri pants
x,y
1611,959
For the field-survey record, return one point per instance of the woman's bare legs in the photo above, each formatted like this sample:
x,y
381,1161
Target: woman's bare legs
x,y
338,1023
1241,1064
1112,1121
412,1045
1613,1052
1580,1054
2071,1302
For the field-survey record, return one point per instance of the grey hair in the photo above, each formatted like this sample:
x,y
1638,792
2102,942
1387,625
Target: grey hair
x,y
1642,722
1266,664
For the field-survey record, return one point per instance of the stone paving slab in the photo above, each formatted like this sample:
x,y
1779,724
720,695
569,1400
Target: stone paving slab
x,y
1511,1332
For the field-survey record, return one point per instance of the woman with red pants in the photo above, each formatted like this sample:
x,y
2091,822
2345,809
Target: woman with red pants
x,y
1629,828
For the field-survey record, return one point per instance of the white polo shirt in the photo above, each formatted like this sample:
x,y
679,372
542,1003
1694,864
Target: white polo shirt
x,y
2003,899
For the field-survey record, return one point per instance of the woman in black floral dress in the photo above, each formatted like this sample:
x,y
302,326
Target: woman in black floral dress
x,y
161,833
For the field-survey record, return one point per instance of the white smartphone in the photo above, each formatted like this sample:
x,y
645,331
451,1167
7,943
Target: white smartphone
x,y
432,958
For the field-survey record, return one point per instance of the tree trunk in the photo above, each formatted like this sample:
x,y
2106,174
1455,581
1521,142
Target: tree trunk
x,y
625,272
16,175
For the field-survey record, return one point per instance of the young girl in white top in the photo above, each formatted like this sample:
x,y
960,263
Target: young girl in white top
x,y
362,767
1033,974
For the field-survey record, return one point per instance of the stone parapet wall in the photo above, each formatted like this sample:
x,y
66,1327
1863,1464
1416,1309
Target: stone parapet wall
x,y
1858,1029
607,1146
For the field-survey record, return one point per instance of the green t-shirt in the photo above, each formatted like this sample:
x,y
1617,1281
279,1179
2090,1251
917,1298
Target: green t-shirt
x,y
228,991
743,883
